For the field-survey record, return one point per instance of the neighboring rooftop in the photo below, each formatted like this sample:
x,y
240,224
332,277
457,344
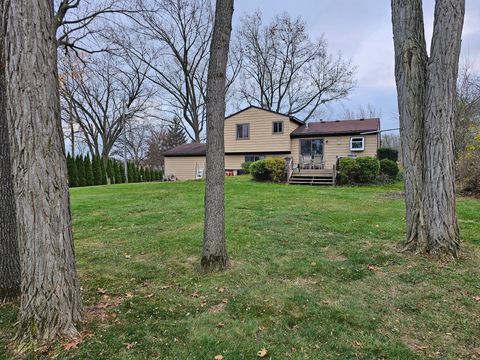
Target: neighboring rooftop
x,y
339,127
193,149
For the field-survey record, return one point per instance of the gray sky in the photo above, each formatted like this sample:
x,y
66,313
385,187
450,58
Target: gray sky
x,y
362,31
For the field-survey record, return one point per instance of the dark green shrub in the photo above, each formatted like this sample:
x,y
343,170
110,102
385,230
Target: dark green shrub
x,y
347,170
389,168
246,167
387,153
368,169
111,171
89,179
103,172
358,170
259,170
276,169
72,171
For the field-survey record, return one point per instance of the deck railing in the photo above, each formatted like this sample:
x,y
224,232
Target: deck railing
x,y
289,168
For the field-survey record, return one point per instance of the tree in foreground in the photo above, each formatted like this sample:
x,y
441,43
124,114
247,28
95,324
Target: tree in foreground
x,y
50,302
9,252
426,87
214,255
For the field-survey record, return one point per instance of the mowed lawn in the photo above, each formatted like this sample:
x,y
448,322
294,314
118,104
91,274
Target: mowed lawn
x,y
316,275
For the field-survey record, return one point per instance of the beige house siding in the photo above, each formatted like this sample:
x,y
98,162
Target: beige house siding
x,y
183,167
338,146
234,162
261,136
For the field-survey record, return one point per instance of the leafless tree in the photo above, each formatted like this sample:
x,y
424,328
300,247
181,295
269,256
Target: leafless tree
x,y
95,91
467,114
284,70
50,302
362,112
9,252
178,34
137,135
156,145
426,87
214,256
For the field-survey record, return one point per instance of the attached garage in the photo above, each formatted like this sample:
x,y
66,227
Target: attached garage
x,y
186,162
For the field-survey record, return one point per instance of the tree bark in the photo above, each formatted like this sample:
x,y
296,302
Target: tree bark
x,y
426,89
442,72
50,302
9,252
214,245
410,74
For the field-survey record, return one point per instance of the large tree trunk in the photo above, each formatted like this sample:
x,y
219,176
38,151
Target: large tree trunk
x,y
214,246
410,66
50,302
9,253
426,98
442,73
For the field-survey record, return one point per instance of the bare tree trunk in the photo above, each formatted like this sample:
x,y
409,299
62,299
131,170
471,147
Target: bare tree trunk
x,y
9,253
214,246
410,67
442,73
426,100
50,302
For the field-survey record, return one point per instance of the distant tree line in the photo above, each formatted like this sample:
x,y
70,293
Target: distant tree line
x,y
83,171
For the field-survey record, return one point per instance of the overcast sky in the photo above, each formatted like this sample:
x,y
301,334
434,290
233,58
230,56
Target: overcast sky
x,y
362,30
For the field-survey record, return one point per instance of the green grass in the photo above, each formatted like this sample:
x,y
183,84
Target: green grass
x,y
316,275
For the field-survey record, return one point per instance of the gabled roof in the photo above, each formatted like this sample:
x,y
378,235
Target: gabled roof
x,y
193,149
291,117
337,127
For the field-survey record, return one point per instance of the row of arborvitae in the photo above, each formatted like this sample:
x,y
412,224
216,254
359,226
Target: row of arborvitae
x,y
85,172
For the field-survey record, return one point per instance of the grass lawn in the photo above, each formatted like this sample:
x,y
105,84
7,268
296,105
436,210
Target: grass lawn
x,y
316,275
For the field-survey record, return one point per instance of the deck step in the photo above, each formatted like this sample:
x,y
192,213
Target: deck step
x,y
311,179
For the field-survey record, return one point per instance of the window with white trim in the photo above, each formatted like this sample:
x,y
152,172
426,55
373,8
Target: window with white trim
x,y
243,131
277,127
357,144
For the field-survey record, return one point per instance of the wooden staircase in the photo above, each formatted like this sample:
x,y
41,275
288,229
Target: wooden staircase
x,y
312,178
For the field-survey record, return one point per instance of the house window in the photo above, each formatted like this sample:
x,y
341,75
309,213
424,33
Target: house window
x,y
278,127
252,158
357,144
243,131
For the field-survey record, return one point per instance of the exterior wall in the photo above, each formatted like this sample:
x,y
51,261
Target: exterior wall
x,y
261,137
234,162
338,146
183,167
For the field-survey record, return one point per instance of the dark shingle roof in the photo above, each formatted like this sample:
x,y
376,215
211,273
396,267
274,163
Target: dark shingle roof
x,y
193,149
337,127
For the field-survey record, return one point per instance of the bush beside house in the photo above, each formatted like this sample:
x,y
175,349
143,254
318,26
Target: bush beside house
x,y
271,169
389,169
362,170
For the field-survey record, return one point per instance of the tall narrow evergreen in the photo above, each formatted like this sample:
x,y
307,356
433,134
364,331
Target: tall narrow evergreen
x,y
89,179
118,174
103,172
111,171
72,171
82,179
97,170
121,166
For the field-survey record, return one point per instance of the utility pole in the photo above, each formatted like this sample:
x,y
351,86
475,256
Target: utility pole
x,y
124,118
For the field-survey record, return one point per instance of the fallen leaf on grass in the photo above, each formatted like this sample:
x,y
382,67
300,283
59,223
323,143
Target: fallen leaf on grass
x,y
148,296
218,357
220,325
420,347
476,298
216,308
262,353
101,291
373,268
357,344
127,256
221,290
73,344
131,345
195,294
130,294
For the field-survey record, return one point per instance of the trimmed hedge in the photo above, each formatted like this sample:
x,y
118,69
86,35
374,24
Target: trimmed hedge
x,y
389,168
358,170
271,169
387,153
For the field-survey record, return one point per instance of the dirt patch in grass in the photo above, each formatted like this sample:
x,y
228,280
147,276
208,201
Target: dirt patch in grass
x,y
103,310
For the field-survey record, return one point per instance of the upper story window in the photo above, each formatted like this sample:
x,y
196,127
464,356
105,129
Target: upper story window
x,y
243,131
357,144
278,127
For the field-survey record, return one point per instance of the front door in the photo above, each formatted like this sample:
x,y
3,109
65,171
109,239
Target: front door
x,y
310,148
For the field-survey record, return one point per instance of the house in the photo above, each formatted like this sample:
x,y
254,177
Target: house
x,y
312,149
